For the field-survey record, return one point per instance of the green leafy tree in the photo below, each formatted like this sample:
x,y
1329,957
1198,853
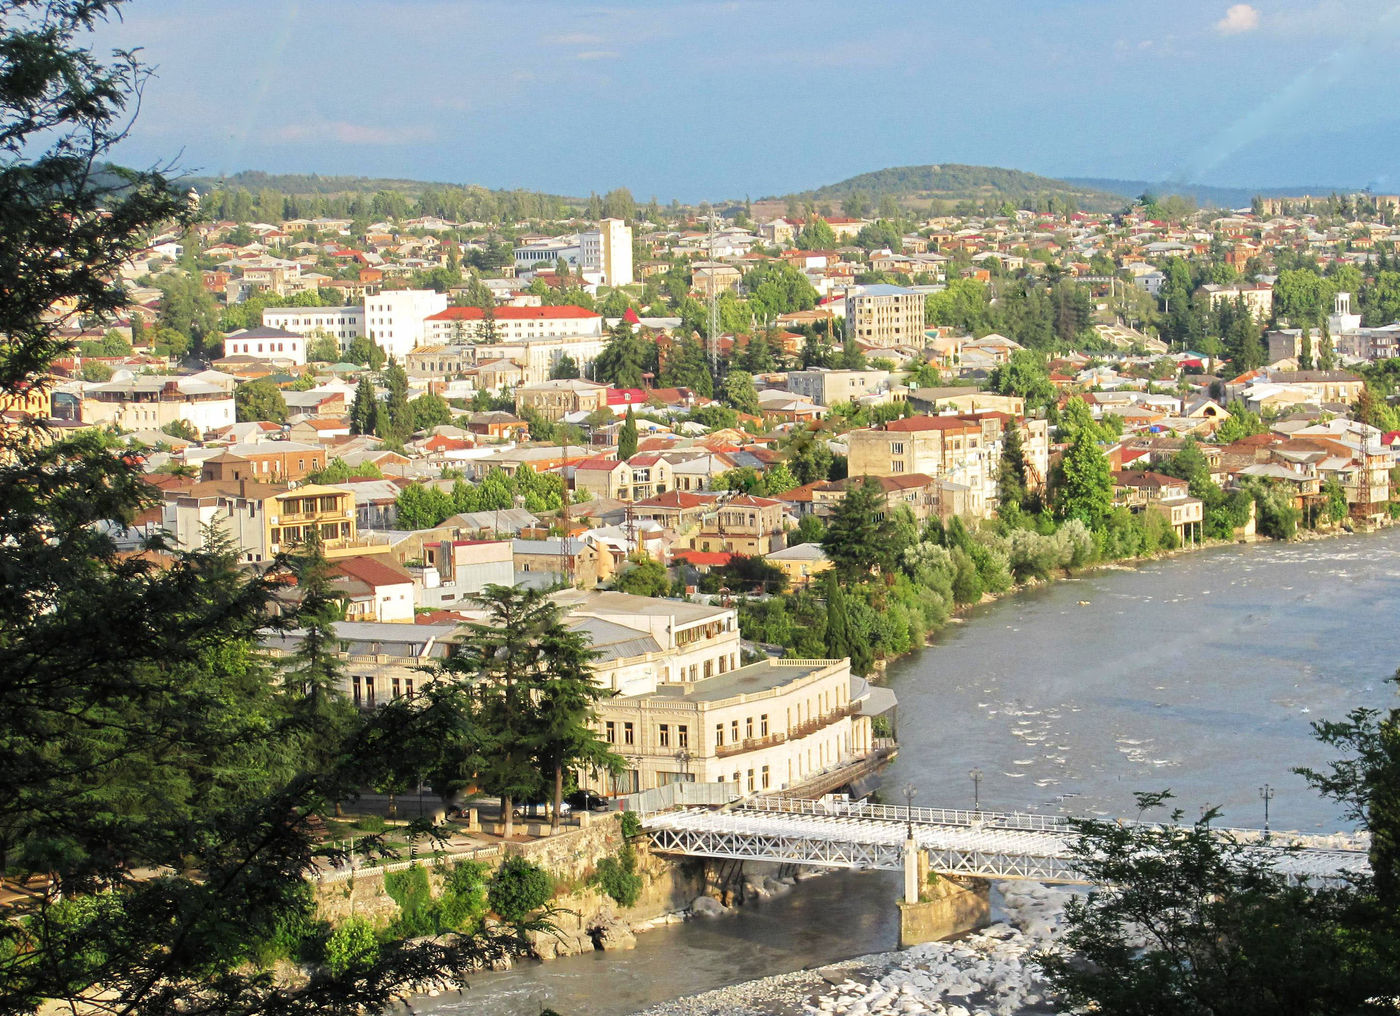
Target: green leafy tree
x,y
1186,920
627,436
643,577
259,400
323,349
519,888
565,368
422,507
816,234
687,367
1024,375
429,411
779,479
398,419
182,429
509,660
739,392
810,529
1086,487
625,359
362,350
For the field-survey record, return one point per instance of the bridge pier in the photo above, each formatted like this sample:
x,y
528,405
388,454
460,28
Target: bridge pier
x,y
942,908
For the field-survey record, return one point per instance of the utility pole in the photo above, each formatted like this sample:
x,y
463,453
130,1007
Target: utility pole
x,y
1266,793
714,303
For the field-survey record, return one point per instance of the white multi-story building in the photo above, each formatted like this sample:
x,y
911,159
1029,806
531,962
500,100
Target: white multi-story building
x,y
344,324
609,249
396,318
267,344
512,324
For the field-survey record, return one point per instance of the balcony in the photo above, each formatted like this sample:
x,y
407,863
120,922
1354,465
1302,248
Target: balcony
x,y
750,744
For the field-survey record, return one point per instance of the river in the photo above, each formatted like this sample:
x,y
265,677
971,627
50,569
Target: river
x,y
1200,674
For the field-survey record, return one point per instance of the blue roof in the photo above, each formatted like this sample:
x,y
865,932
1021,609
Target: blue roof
x,y
883,289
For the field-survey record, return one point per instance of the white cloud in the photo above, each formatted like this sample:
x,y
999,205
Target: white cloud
x,y
1239,18
597,54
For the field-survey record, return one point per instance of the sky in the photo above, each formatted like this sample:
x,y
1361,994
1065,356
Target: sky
x,y
696,100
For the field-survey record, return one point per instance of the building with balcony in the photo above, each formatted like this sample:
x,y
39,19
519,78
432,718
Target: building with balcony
x,y
262,519
762,727
151,402
886,316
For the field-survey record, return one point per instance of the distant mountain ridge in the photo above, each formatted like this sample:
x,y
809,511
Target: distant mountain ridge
x,y
1206,195
953,182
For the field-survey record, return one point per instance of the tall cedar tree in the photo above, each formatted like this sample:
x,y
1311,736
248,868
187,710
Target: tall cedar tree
x,y
510,664
627,437
858,533
143,731
1011,480
362,409
399,416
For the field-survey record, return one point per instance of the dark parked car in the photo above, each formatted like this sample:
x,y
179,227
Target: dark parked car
x,y
538,809
586,800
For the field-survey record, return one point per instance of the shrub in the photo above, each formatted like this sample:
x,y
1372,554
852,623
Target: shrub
x,y
462,904
352,946
417,911
631,824
617,876
518,888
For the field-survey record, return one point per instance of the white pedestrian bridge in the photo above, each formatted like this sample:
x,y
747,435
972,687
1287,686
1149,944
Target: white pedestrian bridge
x,y
839,833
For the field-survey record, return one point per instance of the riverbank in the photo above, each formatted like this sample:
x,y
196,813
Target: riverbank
x,y
986,973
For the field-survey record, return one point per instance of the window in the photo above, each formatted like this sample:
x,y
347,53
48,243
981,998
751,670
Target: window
x,y
734,730
610,732
663,735
682,736
719,734
752,787
397,690
627,735
748,727
764,778
763,725
357,689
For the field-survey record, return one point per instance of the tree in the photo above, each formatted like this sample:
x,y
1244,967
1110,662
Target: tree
x,y
422,507
1012,489
182,429
314,677
362,350
687,367
259,400
810,529
323,349
1187,920
625,359
817,234
861,533
398,420
627,436
643,577
362,409
565,368
1086,489
739,392
510,660
428,411
1024,375
779,479
144,731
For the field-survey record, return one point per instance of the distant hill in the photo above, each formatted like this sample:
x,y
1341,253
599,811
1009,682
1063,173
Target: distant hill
x,y
949,184
1206,196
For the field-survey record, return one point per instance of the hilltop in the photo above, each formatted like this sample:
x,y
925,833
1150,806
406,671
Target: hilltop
x,y
949,184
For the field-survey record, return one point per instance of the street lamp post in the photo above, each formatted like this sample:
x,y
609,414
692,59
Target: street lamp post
x,y
909,791
1266,793
976,775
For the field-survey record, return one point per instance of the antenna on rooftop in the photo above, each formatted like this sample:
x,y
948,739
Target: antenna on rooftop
x,y
714,303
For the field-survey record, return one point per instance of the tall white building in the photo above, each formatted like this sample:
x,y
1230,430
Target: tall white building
x,y
344,324
394,319
512,324
614,255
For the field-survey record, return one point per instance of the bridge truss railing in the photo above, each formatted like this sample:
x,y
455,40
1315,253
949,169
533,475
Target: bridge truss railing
x,y
832,806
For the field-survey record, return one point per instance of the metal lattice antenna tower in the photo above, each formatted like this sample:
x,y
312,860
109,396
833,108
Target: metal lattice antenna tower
x,y
566,542
714,304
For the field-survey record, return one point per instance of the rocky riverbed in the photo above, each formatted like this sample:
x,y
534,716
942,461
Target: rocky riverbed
x,y
987,973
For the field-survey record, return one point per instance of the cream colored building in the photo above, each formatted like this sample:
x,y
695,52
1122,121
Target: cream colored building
x,y
886,316
554,399
151,402
763,727
829,386
262,519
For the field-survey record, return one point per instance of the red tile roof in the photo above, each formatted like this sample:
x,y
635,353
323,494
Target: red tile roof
x,y
703,558
918,423
564,312
370,570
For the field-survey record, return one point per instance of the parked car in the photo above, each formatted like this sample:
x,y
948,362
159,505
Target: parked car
x,y
538,809
586,800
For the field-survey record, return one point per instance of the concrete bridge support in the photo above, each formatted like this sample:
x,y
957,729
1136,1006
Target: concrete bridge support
x,y
933,910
